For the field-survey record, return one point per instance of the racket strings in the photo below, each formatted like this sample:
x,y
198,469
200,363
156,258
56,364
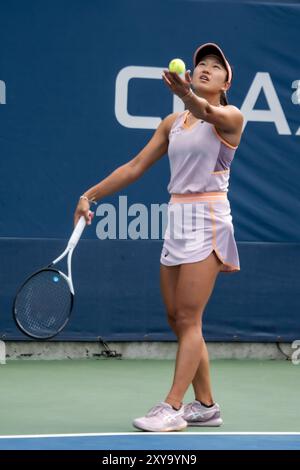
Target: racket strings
x,y
43,304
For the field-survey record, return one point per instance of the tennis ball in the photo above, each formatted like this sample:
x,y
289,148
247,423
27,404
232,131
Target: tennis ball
x,y
177,65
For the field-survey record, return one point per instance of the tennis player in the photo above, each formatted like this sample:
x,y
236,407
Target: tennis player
x,y
201,143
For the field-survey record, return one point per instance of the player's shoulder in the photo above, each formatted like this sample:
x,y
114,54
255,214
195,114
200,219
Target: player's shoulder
x,y
235,112
233,109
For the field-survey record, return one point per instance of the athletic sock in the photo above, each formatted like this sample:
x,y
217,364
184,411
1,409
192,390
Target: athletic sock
x,y
176,409
206,406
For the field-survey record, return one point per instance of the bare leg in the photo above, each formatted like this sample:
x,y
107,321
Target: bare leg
x,y
186,290
201,381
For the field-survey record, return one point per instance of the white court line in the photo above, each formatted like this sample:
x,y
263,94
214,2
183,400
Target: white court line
x,y
137,433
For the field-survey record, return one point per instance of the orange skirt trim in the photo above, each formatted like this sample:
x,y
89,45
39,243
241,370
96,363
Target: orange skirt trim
x,y
203,197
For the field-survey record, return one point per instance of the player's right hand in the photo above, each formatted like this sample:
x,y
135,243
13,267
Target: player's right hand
x,y
83,208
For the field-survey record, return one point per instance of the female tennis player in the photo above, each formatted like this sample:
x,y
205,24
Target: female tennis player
x,y
201,143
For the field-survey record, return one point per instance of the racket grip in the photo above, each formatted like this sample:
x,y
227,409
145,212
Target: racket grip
x,y
80,226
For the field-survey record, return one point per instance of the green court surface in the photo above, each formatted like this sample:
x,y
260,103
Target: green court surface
x,y
99,396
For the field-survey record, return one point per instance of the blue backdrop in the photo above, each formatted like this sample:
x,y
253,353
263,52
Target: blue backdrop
x,y
66,122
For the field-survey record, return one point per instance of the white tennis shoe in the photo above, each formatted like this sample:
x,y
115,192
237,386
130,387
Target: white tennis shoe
x,y
161,418
198,415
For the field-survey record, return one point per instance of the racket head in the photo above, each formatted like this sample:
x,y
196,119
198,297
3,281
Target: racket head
x,y
43,304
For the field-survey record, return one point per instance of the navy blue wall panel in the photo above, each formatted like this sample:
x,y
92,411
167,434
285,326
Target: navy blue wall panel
x,y
118,297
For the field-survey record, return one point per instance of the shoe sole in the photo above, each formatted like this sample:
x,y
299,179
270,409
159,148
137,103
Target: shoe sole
x,y
212,423
179,428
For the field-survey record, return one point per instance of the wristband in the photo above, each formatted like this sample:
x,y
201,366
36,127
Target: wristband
x,y
87,199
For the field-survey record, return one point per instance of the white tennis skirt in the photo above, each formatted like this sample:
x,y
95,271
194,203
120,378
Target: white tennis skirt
x,y
198,224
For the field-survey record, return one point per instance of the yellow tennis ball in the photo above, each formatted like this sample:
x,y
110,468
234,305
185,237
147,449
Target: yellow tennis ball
x,y
177,65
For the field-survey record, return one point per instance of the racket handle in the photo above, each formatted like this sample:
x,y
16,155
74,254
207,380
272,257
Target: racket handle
x,y
80,226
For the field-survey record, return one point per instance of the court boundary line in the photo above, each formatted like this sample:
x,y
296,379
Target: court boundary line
x,y
179,434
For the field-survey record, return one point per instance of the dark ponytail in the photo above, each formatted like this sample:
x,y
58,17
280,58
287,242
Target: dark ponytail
x,y
223,96
223,99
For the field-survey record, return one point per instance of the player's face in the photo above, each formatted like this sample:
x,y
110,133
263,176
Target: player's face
x,y
212,68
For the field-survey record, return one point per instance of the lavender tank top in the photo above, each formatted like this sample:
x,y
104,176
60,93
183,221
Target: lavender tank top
x,y
199,158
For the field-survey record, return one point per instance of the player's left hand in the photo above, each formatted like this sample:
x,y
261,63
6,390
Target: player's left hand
x,y
176,84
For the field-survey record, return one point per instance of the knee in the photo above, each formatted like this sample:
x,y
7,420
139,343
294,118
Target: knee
x,y
188,318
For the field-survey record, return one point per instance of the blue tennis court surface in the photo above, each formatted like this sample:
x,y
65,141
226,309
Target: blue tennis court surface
x,y
157,441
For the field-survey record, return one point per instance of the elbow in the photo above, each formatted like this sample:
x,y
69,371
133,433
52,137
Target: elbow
x,y
132,172
135,170
204,111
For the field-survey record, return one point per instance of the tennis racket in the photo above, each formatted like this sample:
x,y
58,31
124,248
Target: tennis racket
x,y
43,304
